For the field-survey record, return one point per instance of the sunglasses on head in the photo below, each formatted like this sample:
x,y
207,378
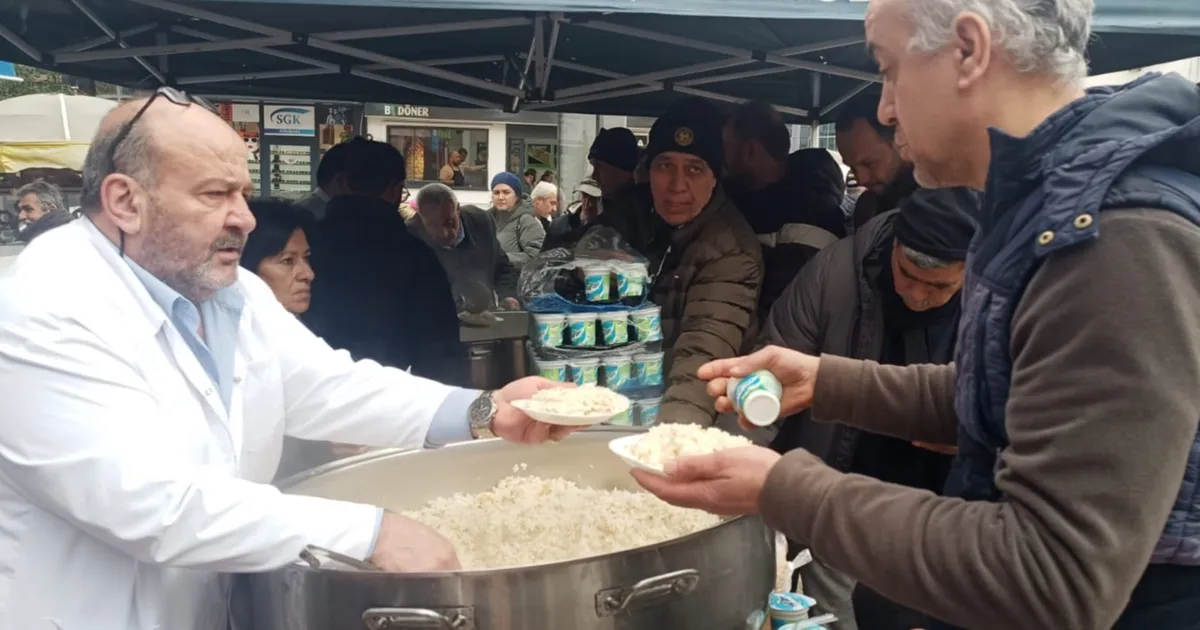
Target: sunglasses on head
x,y
178,97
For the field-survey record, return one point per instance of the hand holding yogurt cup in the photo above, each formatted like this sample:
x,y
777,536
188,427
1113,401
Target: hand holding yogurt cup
x,y
795,372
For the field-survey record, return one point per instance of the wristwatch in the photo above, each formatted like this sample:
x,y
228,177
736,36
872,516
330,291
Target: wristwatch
x,y
480,415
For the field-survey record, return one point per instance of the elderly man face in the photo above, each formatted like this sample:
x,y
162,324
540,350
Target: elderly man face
x,y
924,282
179,196
30,209
442,220
681,184
936,99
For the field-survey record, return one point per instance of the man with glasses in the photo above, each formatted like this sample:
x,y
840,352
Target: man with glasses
x,y
148,385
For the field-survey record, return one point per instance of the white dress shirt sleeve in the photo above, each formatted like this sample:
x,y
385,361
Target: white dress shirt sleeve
x,y
329,396
83,439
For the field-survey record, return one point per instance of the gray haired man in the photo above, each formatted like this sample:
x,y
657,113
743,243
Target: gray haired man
x,y
40,208
1073,399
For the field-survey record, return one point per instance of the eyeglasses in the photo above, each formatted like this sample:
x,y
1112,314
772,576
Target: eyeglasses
x,y
178,97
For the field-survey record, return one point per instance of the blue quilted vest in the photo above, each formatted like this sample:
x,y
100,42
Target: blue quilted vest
x,y
1131,147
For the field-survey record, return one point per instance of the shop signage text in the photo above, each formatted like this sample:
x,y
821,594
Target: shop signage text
x,y
289,120
405,111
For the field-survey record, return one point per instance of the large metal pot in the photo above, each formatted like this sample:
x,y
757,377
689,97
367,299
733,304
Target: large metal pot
x,y
713,579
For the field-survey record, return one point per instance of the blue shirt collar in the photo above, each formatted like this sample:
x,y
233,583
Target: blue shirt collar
x,y
173,303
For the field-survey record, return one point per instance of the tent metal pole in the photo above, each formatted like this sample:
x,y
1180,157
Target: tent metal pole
x,y
539,49
21,44
279,54
426,89
587,98
732,51
416,68
254,76
104,39
837,102
162,38
423,29
653,87
172,49
554,31
718,65
334,47
709,66
83,8
516,102
315,71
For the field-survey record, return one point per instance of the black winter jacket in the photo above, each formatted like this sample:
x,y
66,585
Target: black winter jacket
x,y
380,293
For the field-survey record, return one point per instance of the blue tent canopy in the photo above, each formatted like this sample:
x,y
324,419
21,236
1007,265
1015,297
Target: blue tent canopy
x,y
590,56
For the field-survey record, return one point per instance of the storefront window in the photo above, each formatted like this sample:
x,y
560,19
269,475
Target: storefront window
x,y
428,150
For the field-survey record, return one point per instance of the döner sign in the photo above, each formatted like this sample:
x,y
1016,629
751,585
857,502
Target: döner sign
x,y
406,111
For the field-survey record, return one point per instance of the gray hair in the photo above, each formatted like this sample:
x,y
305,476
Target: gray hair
x,y
47,194
544,190
924,261
133,158
1046,37
438,196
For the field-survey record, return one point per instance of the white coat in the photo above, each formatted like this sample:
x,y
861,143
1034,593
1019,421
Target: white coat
x,y
126,489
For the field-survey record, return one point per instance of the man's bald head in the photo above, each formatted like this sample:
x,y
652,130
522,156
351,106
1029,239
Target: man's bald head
x,y
169,187
139,151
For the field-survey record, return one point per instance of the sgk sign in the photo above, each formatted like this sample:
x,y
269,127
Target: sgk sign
x,y
289,120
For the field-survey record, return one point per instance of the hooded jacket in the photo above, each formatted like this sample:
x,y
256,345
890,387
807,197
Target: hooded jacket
x,y
709,274
794,218
520,233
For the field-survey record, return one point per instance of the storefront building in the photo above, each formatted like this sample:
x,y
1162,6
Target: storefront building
x,y
494,142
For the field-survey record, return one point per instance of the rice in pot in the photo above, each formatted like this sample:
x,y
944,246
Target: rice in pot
x,y
531,520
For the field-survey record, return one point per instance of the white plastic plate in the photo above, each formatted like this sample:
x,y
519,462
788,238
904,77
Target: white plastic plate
x,y
570,421
621,448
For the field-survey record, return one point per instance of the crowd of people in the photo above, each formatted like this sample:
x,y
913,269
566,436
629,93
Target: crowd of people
x,y
991,413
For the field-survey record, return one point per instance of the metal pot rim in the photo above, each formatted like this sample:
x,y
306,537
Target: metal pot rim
x,y
385,453
726,522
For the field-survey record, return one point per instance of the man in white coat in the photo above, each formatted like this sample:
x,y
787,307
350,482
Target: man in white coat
x,y
147,385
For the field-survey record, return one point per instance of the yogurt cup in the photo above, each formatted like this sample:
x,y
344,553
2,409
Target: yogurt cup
x,y
597,281
582,329
788,608
631,280
550,329
756,397
554,370
648,369
614,328
647,323
618,371
585,371
648,411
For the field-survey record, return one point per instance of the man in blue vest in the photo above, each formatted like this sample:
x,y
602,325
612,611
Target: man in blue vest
x,y
1075,398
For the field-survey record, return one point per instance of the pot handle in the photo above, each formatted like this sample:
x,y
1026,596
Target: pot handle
x,y
611,601
444,618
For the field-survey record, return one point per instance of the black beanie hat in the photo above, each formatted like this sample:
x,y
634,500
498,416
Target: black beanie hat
x,y
692,126
617,147
939,222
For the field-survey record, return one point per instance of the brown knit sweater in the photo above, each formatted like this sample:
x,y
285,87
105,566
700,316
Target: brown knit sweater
x,y
1105,403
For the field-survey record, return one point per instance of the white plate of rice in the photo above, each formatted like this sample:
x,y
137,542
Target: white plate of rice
x,y
574,406
651,450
